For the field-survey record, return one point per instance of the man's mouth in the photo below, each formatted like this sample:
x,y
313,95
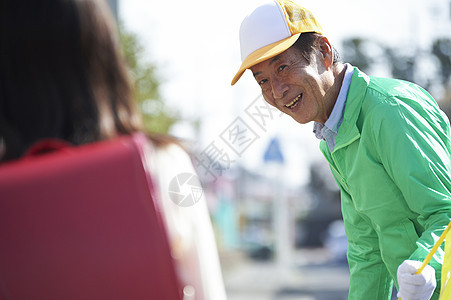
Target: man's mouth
x,y
293,103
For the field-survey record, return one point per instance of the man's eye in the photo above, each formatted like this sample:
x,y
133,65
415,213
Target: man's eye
x,y
261,82
281,67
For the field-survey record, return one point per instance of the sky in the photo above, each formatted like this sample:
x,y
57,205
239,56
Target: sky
x,y
195,46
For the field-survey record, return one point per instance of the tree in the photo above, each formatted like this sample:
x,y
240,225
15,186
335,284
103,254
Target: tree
x,y
157,116
441,48
354,51
406,64
402,65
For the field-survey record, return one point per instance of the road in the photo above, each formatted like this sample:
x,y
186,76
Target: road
x,y
311,274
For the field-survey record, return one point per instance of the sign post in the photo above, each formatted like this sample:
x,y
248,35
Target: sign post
x,y
274,160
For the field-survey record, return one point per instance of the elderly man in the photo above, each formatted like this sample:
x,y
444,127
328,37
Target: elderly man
x,y
386,141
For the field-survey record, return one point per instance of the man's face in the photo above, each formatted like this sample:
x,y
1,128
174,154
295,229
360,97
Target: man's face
x,y
294,85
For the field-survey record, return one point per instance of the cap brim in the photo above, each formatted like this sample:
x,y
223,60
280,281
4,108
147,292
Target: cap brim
x,y
265,53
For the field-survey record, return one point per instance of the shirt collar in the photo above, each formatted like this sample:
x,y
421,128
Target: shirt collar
x,y
336,117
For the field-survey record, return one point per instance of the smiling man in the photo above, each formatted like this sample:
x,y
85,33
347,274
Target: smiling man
x,y
386,141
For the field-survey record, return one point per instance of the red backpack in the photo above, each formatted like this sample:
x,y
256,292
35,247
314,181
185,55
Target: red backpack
x,y
81,223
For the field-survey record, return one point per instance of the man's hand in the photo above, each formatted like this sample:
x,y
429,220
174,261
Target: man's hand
x,y
415,286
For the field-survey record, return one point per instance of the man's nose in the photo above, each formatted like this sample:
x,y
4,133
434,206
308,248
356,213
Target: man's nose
x,y
279,88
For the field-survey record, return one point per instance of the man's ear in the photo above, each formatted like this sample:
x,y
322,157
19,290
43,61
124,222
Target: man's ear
x,y
326,51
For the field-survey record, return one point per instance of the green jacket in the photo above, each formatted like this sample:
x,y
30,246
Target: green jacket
x,y
392,163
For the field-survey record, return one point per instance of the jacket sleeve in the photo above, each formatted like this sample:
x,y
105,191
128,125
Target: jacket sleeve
x,y
370,278
413,143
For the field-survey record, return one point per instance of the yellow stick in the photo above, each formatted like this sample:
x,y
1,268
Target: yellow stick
x,y
434,249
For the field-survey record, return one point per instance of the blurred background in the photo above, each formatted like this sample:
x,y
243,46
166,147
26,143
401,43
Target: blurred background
x,y
273,202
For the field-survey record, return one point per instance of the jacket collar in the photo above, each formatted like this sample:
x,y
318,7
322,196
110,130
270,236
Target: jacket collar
x,y
348,131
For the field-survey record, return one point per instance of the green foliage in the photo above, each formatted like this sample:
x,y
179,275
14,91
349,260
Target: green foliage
x,y
157,116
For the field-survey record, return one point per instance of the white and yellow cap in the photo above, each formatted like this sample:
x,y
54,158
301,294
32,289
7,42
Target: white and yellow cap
x,y
270,29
